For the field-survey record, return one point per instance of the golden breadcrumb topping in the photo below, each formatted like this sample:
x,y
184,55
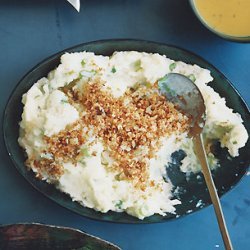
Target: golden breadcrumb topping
x,y
48,167
130,128
66,144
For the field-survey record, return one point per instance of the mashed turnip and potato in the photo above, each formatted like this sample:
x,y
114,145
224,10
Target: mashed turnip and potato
x,y
98,128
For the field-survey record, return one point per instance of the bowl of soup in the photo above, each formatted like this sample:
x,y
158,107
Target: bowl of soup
x,y
229,19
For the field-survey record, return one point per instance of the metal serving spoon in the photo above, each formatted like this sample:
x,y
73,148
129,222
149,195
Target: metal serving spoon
x,y
181,91
38,236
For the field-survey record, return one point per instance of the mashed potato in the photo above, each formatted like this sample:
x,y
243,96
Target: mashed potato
x,y
99,130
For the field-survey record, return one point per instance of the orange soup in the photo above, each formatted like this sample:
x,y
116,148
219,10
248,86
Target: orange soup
x,y
230,17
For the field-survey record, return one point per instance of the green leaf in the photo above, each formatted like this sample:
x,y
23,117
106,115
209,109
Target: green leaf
x,y
64,101
147,85
192,77
80,76
118,177
162,80
113,70
137,65
70,72
42,132
85,152
83,62
119,204
235,142
172,66
164,87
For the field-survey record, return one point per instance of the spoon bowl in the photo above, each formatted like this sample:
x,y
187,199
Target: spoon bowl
x,y
181,91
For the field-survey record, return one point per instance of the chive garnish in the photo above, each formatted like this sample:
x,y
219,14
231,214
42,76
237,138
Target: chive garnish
x,y
85,152
137,65
64,101
83,62
192,77
113,70
119,204
172,66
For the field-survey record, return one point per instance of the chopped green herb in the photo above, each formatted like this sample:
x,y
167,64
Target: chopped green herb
x,y
162,80
118,177
83,162
42,131
172,66
170,91
235,142
192,77
85,152
137,65
119,204
147,85
64,101
113,70
164,87
70,72
221,130
135,86
83,62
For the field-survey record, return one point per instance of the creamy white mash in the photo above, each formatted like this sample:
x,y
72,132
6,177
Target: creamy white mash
x,y
50,111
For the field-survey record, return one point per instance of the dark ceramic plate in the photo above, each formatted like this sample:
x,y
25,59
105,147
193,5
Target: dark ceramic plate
x,y
191,190
45,237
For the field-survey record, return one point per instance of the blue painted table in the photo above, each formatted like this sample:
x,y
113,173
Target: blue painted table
x,y
32,30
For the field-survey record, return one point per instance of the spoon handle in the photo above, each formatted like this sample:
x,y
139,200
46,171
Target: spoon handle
x,y
201,155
